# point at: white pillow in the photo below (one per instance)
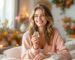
(9, 58)
(13, 52)
(55, 57)
(73, 54)
(70, 44)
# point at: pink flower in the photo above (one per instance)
(18, 18)
(73, 26)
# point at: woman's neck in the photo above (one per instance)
(41, 30)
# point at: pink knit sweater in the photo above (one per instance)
(57, 47)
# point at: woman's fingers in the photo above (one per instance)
(35, 42)
(38, 57)
(34, 39)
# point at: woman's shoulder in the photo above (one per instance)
(56, 31)
(57, 34)
(27, 33)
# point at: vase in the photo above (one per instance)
(23, 27)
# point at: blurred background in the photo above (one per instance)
(14, 19)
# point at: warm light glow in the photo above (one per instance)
(1, 46)
(27, 14)
(17, 44)
(24, 12)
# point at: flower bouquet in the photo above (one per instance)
(69, 26)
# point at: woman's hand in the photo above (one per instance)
(35, 40)
(39, 56)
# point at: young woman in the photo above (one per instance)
(42, 40)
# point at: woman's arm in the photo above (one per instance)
(27, 49)
(61, 50)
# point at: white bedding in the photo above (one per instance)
(3, 57)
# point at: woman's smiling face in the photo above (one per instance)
(40, 18)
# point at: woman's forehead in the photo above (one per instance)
(39, 11)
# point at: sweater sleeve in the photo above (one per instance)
(61, 50)
(26, 53)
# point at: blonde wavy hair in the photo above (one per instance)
(49, 33)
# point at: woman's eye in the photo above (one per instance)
(40, 16)
(43, 15)
(35, 16)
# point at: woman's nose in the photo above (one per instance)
(39, 17)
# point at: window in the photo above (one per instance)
(8, 10)
(1, 11)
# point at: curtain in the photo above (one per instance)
(8, 11)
